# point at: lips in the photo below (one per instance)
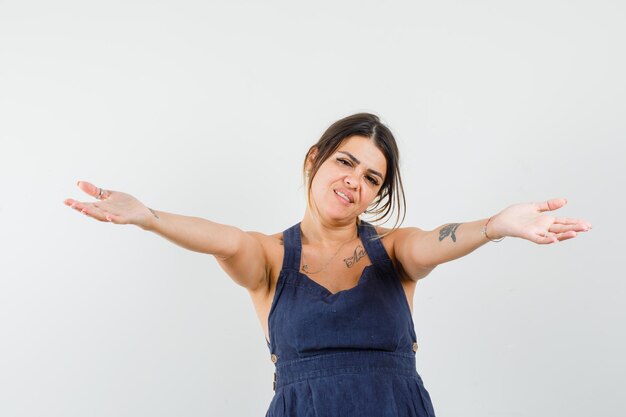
(345, 195)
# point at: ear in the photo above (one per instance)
(311, 158)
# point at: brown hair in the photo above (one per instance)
(390, 197)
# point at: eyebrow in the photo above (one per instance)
(356, 161)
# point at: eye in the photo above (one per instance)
(344, 162)
(372, 180)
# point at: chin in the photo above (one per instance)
(337, 213)
(339, 216)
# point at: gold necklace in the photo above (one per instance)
(305, 266)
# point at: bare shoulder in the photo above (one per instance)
(270, 242)
(265, 239)
(392, 239)
(396, 243)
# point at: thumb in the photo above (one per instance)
(92, 190)
(553, 204)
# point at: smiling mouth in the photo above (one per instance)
(343, 196)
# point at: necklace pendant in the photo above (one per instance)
(305, 268)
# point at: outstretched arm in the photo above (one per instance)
(531, 221)
(227, 243)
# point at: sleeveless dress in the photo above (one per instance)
(351, 353)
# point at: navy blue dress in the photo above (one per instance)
(346, 354)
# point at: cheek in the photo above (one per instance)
(372, 195)
(319, 186)
(323, 179)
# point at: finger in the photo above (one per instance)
(76, 205)
(556, 228)
(88, 187)
(544, 238)
(84, 208)
(570, 221)
(93, 191)
(568, 235)
(553, 204)
(563, 228)
(565, 220)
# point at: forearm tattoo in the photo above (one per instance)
(448, 230)
(359, 253)
(155, 215)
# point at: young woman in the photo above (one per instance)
(334, 293)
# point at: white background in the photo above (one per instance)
(206, 108)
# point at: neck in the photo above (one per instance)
(326, 233)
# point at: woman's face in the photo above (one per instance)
(349, 180)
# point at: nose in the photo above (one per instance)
(351, 181)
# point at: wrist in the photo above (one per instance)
(151, 221)
(490, 232)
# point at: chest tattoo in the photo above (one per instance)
(359, 253)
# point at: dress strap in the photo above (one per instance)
(293, 248)
(372, 242)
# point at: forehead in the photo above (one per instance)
(364, 149)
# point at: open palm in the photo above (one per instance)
(113, 206)
(531, 221)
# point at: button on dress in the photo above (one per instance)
(351, 353)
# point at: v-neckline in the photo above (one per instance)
(329, 293)
(290, 271)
